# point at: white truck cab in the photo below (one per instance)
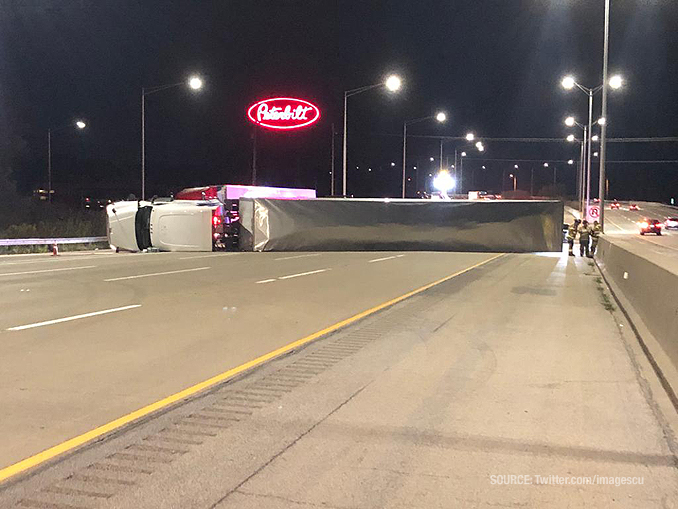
(182, 225)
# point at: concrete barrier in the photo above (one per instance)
(648, 294)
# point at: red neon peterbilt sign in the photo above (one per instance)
(283, 113)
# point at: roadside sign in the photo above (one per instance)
(593, 213)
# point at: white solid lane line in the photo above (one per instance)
(298, 256)
(304, 274)
(156, 274)
(70, 318)
(387, 258)
(266, 281)
(207, 256)
(45, 270)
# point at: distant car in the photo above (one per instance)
(615, 205)
(650, 226)
(633, 206)
(671, 223)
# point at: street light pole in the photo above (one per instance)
(194, 82)
(393, 84)
(80, 124)
(404, 154)
(440, 117)
(343, 176)
(582, 172)
(588, 166)
(441, 154)
(332, 172)
(49, 165)
(603, 127)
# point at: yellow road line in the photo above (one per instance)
(79, 440)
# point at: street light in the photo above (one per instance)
(602, 121)
(515, 166)
(470, 137)
(570, 121)
(570, 162)
(443, 181)
(568, 82)
(546, 165)
(594, 137)
(80, 125)
(392, 83)
(440, 117)
(615, 82)
(194, 83)
(570, 138)
(515, 181)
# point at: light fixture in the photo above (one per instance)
(195, 82)
(470, 137)
(441, 117)
(569, 121)
(393, 83)
(546, 165)
(80, 124)
(594, 137)
(443, 182)
(570, 162)
(570, 137)
(602, 121)
(616, 81)
(568, 82)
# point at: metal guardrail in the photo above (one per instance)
(51, 241)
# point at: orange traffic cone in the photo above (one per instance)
(55, 250)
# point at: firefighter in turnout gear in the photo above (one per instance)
(596, 230)
(571, 235)
(584, 236)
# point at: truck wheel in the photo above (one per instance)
(642, 233)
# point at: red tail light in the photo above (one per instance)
(216, 218)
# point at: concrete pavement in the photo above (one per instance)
(196, 315)
(512, 369)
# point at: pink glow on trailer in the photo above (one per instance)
(235, 192)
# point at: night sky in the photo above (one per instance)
(494, 66)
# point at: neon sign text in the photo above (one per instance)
(283, 113)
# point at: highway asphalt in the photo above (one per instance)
(457, 397)
(622, 227)
(87, 338)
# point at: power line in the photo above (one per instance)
(659, 139)
(629, 161)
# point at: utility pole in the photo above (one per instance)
(603, 128)
(254, 157)
(332, 171)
